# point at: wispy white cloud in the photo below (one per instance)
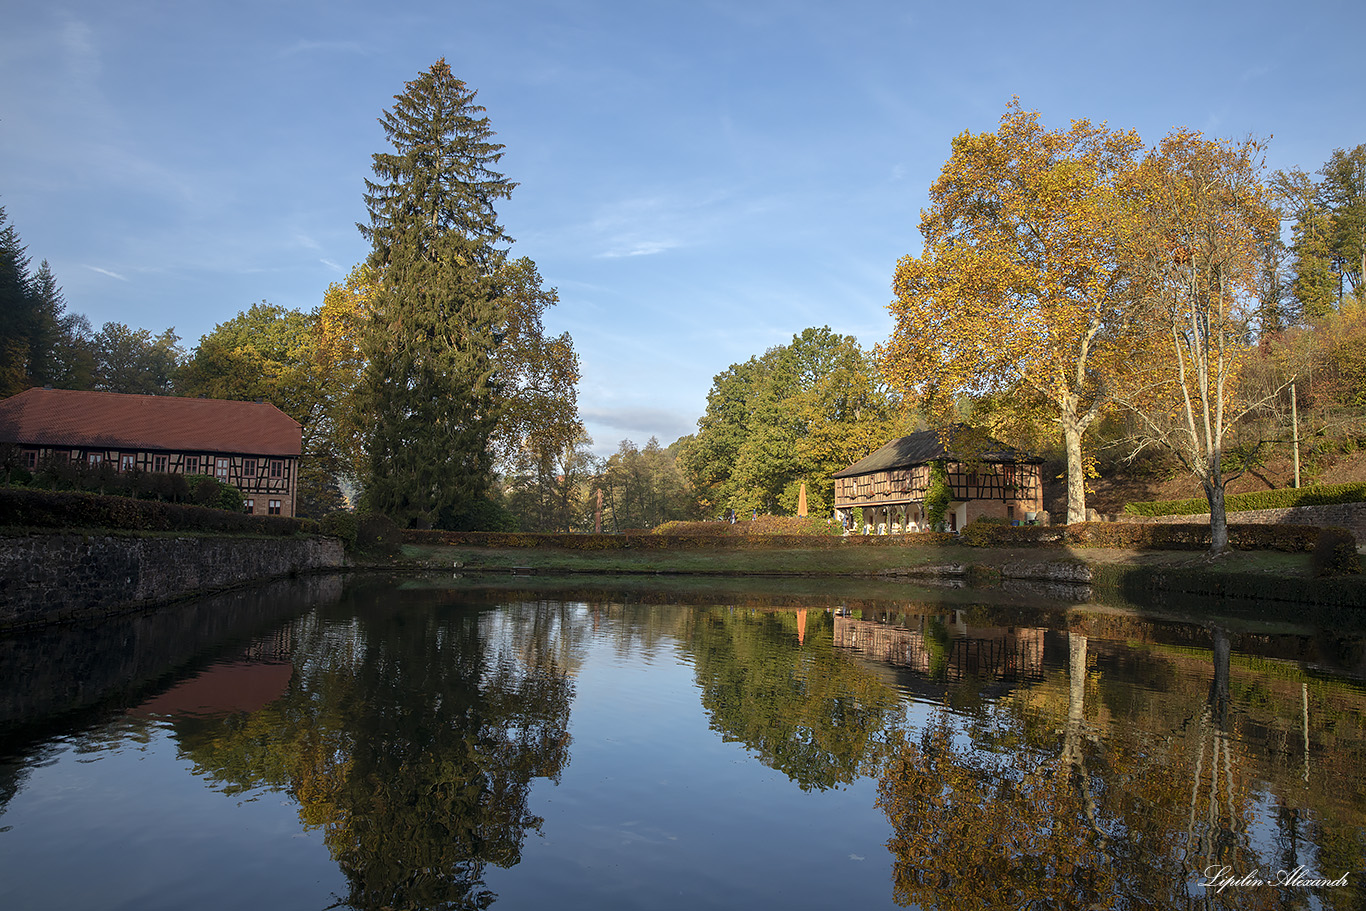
(122, 278)
(331, 265)
(639, 248)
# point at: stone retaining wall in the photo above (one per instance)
(59, 576)
(1351, 516)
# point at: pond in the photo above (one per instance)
(372, 743)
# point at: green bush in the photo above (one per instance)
(21, 508)
(1193, 536)
(341, 524)
(994, 531)
(1284, 498)
(377, 534)
(666, 541)
(213, 493)
(1335, 553)
(937, 496)
(763, 525)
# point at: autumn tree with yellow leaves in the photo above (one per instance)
(1023, 288)
(1198, 264)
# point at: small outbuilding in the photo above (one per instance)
(253, 446)
(985, 478)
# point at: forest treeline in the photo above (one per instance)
(1077, 293)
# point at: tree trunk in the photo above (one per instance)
(1076, 473)
(1218, 517)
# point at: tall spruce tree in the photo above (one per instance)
(16, 310)
(428, 395)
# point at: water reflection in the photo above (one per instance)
(772, 680)
(1023, 753)
(410, 738)
(1126, 778)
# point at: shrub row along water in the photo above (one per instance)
(1284, 498)
(1334, 549)
(21, 508)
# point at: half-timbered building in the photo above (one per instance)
(253, 446)
(986, 478)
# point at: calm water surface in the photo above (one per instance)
(441, 743)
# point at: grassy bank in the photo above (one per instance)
(1254, 575)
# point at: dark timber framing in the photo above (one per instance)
(253, 446)
(890, 485)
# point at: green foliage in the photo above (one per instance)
(763, 525)
(938, 495)
(134, 360)
(377, 534)
(550, 489)
(1322, 495)
(17, 318)
(1315, 284)
(428, 397)
(1328, 231)
(213, 493)
(1335, 553)
(643, 488)
(273, 354)
(40, 343)
(342, 524)
(700, 535)
(199, 490)
(79, 509)
(981, 531)
(483, 514)
(1174, 536)
(798, 413)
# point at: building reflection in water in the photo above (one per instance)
(944, 647)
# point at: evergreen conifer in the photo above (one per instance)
(428, 396)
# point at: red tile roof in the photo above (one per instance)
(108, 420)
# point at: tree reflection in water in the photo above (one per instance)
(1047, 798)
(410, 738)
(772, 680)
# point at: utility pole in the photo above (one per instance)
(1295, 430)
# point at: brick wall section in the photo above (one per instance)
(1351, 516)
(50, 577)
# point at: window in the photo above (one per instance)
(159, 463)
(277, 468)
(94, 458)
(30, 459)
(192, 464)
(274, 507)
(220, 470)
(249, 506)
(248, 468)
(128, 462)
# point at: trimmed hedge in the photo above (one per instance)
(69, 509)
(1286, 497)
(657, 541)
(763, 525)
(1144, 536)
(1339, 553)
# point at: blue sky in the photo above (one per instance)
(700, 180)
